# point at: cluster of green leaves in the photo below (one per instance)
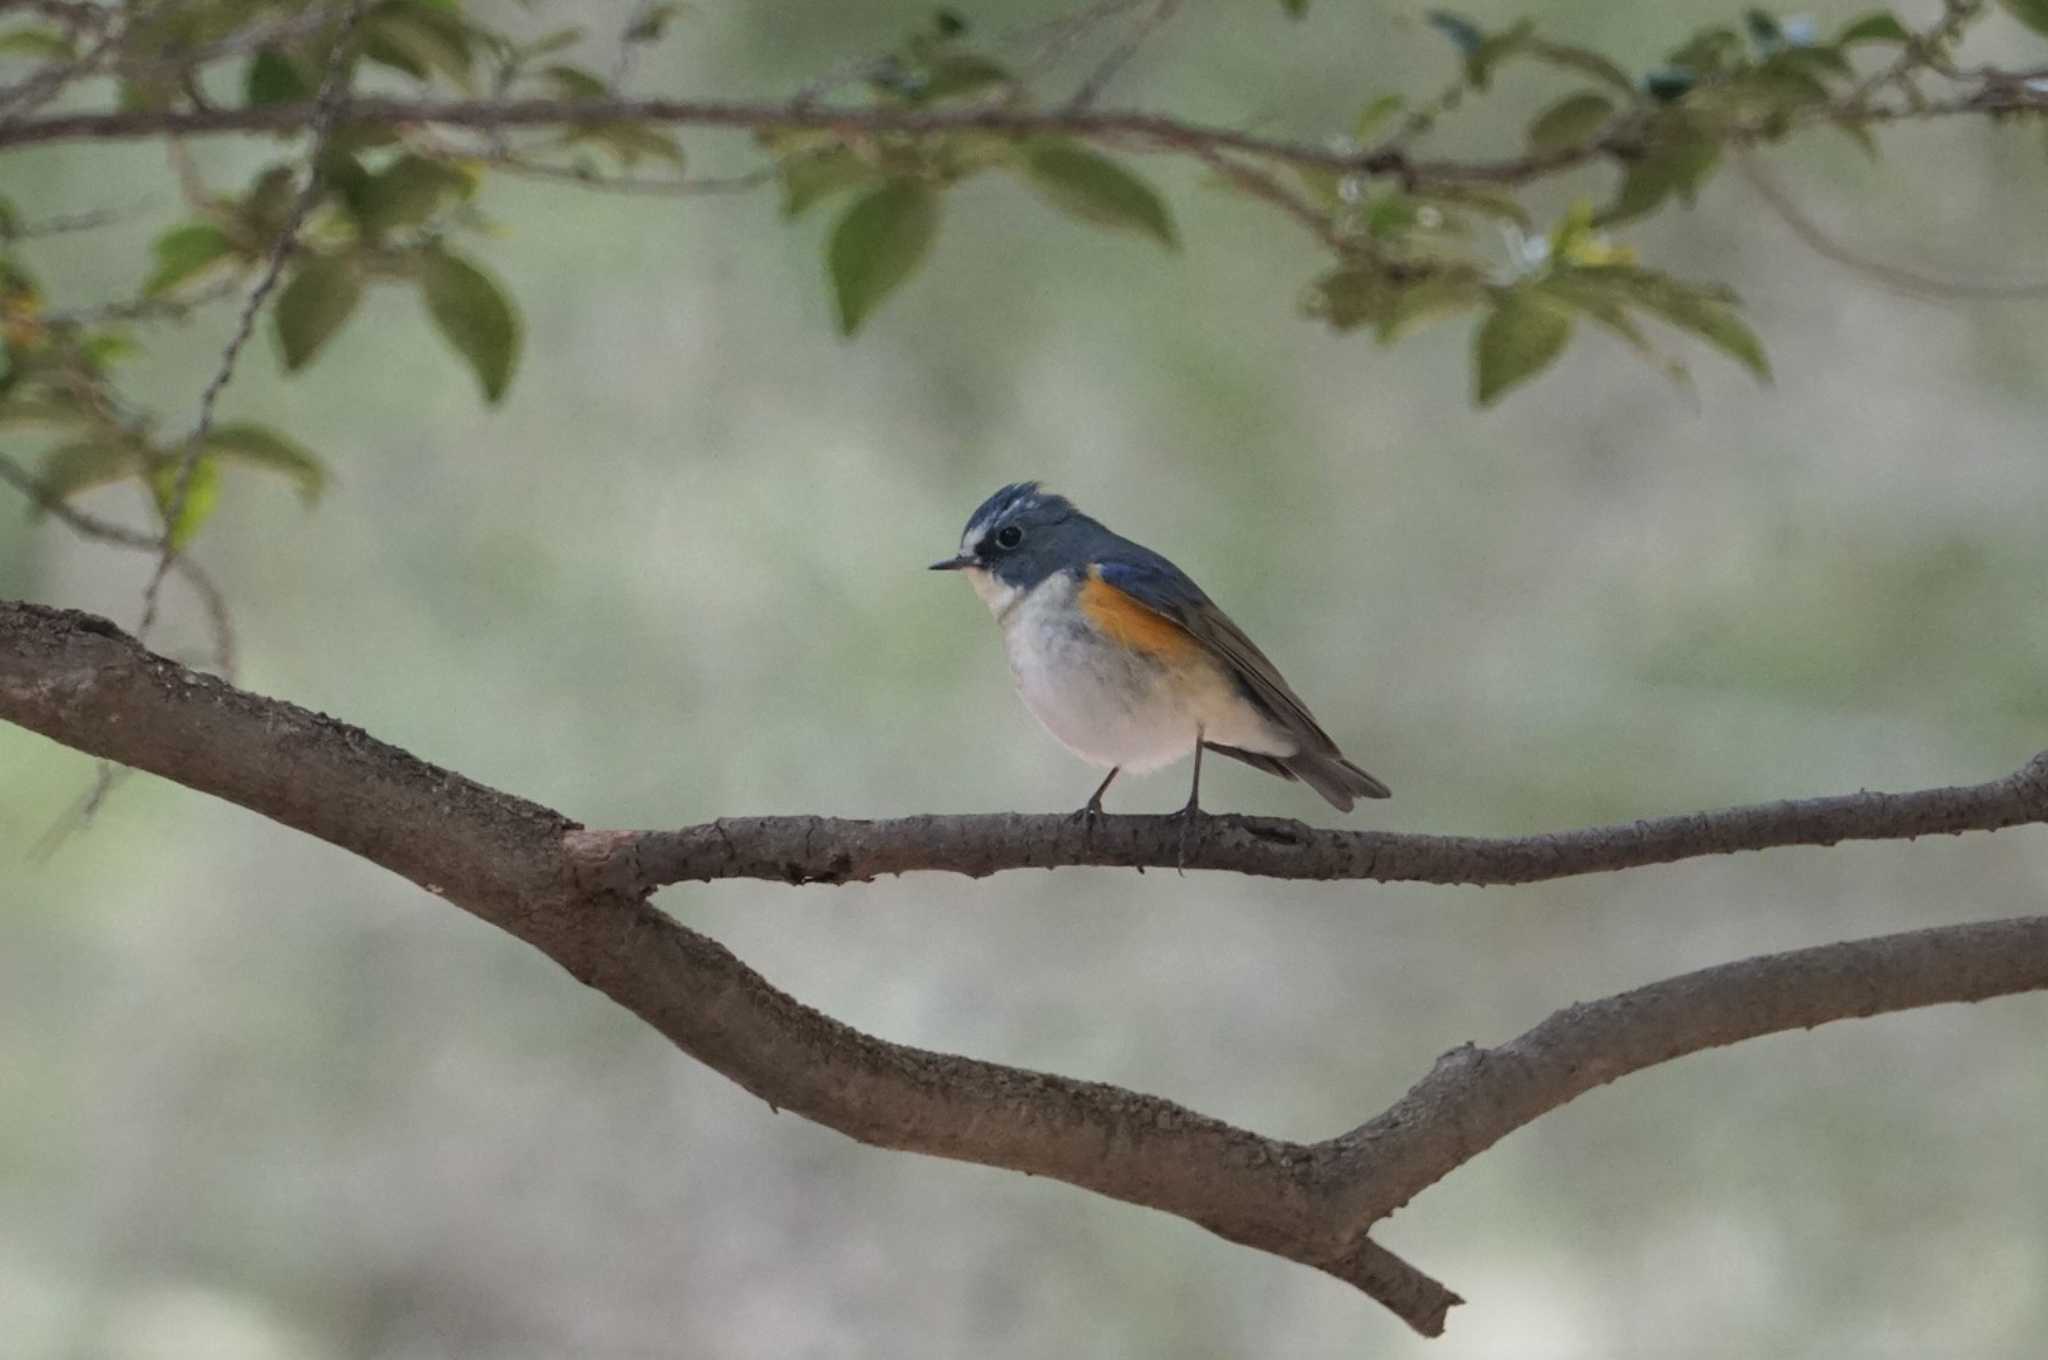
(1410, 249)
(384, 211)
(898, 179)
(394, 208)
(55, 379)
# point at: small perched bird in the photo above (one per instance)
(1127, 662)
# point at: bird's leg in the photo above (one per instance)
(1190, 816)
(1093, 807)
(1194, 803)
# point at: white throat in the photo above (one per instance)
(999, 598)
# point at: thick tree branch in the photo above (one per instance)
(579, 897)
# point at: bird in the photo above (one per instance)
(1127, 662)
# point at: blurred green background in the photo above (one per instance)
(258, 1099)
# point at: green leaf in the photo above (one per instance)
(183, 252)
(1605, 310)
(1465, 35)
(628, 142)
(1497, 48)
(573, 82)
(406, 193)
(961, 73)
(809, 177)
(647, 26)
(274, 79)
(1350, 296)
(1703, 310)
(1391, 215)
(1096, 189)
(320, 297)
(2032, 13)
(1571, 121)
(1813, 62)
(262, 447)
(83, 464)
(1878, 26)
(1428, 299)
(1677, 161)
(1374, 116)
(202, 494)
(1523, 336)
(877, 244)
(476, 316)
(1471, 198)
(108, 347)
(1584, 61)
(419, 40)
(562, 39)
(42, 44)
(1295, 8)
(1708, 52)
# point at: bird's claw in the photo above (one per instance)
(1191, 819)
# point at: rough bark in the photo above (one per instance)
(580, 897)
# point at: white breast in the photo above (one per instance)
(1107, 705)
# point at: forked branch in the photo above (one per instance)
(578, 897)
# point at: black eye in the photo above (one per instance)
(1009, 536)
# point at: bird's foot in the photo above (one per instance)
(1191, 819)
(1087, 813)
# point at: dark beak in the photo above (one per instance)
(955, 563)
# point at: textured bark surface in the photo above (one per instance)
(580, 896)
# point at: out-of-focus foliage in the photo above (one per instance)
(258, 1099)
(394, 207)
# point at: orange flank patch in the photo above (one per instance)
(1123, 620)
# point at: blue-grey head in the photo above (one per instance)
(1019, 537)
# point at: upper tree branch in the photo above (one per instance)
(536, 875)
(1995, 96)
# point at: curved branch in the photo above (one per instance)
(1474, 1097)
(543, 879)
(78, 679)
(847, 850)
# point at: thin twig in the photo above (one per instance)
(90, 526)
(1139, 130)
(146, 308)
(1106, 70)
(1922, 50)
(1898, 278)
(63, 224)
(327, 112)
(1044, 44)
(1262, 185)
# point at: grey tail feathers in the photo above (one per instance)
(1339, 781)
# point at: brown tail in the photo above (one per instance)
(1339, 781)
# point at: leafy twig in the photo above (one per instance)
(327, 112)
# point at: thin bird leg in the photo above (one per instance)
(1093, 808)
(1190, 817)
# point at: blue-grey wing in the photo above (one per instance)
(1165, 589)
